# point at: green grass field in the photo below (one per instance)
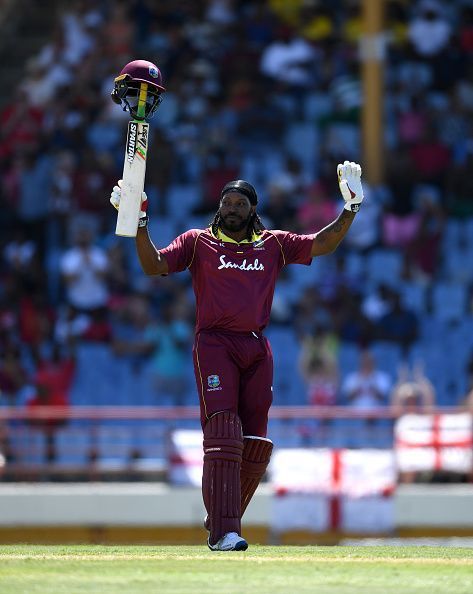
(28, 569)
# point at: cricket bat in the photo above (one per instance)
(134, 170)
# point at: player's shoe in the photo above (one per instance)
(230, 542)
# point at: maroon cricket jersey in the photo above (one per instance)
(234, 282)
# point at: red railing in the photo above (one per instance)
(95, 442)
(192, 412)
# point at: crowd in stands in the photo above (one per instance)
(268, 91)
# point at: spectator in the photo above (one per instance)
(377, 302)
(221, 12)
(429, 31)
(413, 392)
(261, 122)
(78, 22)
(337, 281)
(279, 211)
(368, 387)
(352, 27)
(349, 321)
(339, 127)
(21, 126)
(62, 198)
(311, 313)
(34, 172)
(118, 273)
(430, 158)
(466, 29)
(69, 327)
(218, 167)
(399, 230)
(84, 270)
(468, 402)
(20, 252)
(91, 181)
(35, 321)
(399, 325)
(39, 86)
(171, 340)
(413, 121)
(317, 22)
(13, 375)
(118, 32)
(317, 210)
(131, 332)
(422, 253)
(288, 59)
(318, 365)
(52, 381)
(460, 184)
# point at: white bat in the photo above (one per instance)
(134, 169)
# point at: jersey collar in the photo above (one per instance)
(221, 235)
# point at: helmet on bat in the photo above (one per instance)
(126, 90)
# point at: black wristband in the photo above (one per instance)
(143, 221)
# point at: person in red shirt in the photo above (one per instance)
(52, 380)
(21, 126)
(234, 265)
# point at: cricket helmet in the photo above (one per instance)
(243, 187)
(126, 90)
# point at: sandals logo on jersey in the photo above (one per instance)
(213, 381)
(255, 265)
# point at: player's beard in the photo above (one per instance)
(235, 225)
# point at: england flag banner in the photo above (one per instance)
(440, 442)
(321, 490)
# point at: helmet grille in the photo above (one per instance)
(127, 92)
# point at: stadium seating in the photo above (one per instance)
(414, 296)
(384, 266)
(449, 301)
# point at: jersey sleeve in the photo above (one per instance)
(180, 252)
(295, 248)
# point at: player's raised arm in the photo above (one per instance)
(349, 180)
(150, 258)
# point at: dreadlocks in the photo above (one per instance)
(254, 225)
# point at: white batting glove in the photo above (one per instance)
(116, 195)
(349, 180)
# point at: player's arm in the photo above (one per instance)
(327, 239)
(151, 260)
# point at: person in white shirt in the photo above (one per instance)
(367, 387)
(429, 32)
(84, 270)
(289, 59)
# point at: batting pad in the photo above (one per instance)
(256, 455)
(221, 487)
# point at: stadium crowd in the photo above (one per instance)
(268, 91)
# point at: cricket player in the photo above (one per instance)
(234, 264)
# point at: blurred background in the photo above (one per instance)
(276, 92)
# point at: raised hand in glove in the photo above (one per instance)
(115, 198)
(349, 180)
